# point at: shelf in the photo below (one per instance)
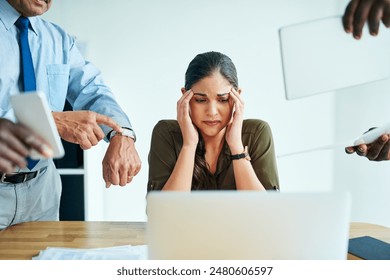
(71, 171)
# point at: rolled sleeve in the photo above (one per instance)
(164, 148)
(87, 91)
(262, 152)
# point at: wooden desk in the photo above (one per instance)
(22, 242)
(363, 229)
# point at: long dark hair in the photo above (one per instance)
(202, 66)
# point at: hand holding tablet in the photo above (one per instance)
(32, 110)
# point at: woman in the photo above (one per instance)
(211, 146)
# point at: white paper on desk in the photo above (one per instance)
(126, 252)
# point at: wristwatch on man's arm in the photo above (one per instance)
(128, 132)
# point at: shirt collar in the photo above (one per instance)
(33, 24)
(8, 16)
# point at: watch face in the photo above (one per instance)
(128, 133)
(125, 132)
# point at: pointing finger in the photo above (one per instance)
(102, 119)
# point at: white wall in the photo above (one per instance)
(356, 110)
(143, 49)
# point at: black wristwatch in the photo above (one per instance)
(244, 154)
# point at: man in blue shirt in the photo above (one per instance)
(356, 14)
(62, 74)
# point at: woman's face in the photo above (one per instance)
(211, 106)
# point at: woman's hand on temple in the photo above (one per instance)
(188, 130)
(234, 128)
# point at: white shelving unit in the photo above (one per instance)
(71, 171)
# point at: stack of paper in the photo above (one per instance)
(127, 252)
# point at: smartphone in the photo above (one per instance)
(32, 110)
(370, 136)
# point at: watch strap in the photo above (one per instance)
(127, 132)
(244, 154)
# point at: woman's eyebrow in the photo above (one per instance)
(204, 94)
(199, 93)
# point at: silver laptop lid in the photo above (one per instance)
(247, 225)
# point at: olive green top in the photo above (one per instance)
(167, 142)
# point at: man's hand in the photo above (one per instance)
(16, 141)
(377, 151)
(121, 162)
(82, 127)
(359, 11)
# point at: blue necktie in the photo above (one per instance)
(27, 73)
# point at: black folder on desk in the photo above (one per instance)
(369, 248)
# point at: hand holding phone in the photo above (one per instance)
(372, 135)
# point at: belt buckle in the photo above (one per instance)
(3, 178)
(25, 177)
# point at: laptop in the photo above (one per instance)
(244, 225)
(318, 56)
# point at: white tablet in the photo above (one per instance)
(32, 110)
(318, 56)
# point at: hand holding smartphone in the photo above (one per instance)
(372, 135)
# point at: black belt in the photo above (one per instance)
(17, 178)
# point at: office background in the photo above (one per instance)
(143, 49)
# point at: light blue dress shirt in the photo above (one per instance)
(61, 71)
